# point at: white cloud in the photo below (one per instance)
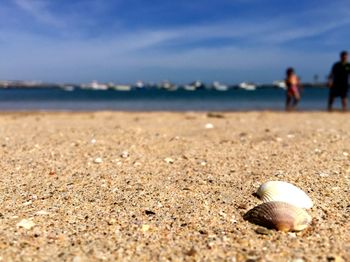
(38, 9)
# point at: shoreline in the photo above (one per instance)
(54, 111)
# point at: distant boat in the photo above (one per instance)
(194, 86)
(247, 86)
(68, 88)
(140, 84)
(189, 87)
(167, 86)
(122, 87)
(219, 87)
(94, 85)
(279, 84)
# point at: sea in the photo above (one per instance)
(56, 99)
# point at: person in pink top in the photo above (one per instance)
(293, 95)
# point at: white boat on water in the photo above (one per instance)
(247, 86)
(219, 87)
(167, 86)
(189, 87)
(94, 85)
(121, 87)
(140, 84)
(194, 86)
(280, 84)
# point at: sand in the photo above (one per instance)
(105, 186)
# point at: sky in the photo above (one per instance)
(177, 40)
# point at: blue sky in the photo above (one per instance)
(153, 40)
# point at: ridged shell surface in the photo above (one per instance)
(284, 192)
(280, 216)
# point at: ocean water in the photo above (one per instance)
(156, 100)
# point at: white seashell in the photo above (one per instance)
(284, 192)
(279, 215)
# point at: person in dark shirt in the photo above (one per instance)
(339, 81)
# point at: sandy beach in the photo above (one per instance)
(106, 186)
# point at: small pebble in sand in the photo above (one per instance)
(222, 214)
(192, 252)
(292, 235)
(77, 259)
(111, 221)
(149, 212)
(28, 203)
(233, 220)
(335, 258)
(93, 141)
(169, 160)
(345, 154)
(26, 224)
(297, 260)
(323, 175)
(263, 231)
(98, 160)
(279, 173)
(124, 154)
(42, 213)
(209, 126)
(137, 164)
(145, 228)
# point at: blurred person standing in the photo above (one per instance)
(293, 94)
(338, 82)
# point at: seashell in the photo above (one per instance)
(279, 215)
(284, 192)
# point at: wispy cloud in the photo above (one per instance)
(38, 9)
(273, 30)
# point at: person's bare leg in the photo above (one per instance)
(295, 102)
(296, 99)
(330, 103)
(288, 101)
(344, 103)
